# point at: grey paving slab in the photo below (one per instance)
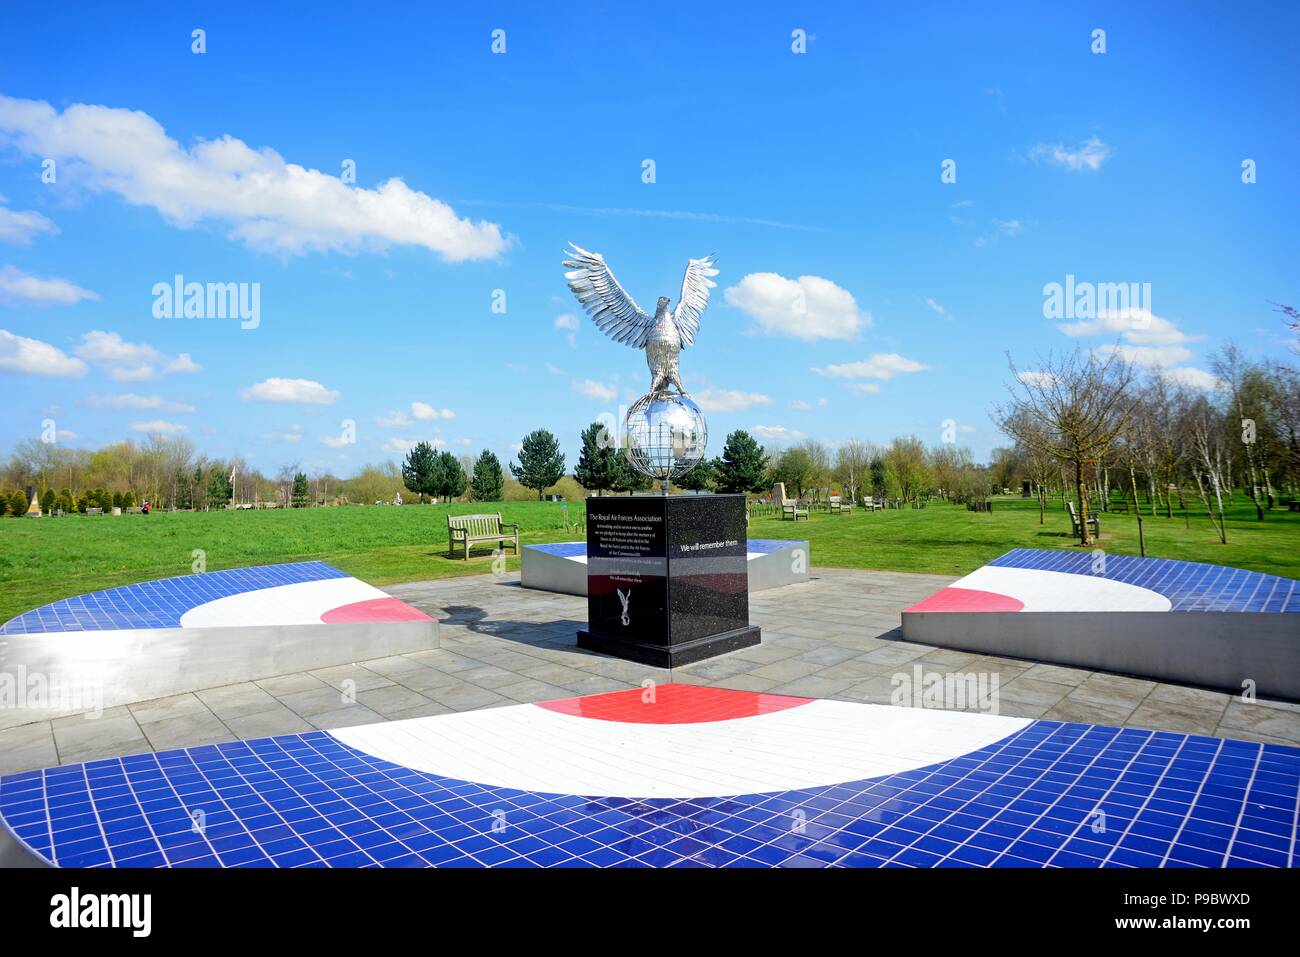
(391, 700)
(237, 701)
(1166, 716)
(289, 684)
(186, 731)
(27, 748)
(352, 677)
(836, 636)
(812, 686)
(425, 710)
(344, 718)
(267, 723)
(467, 697)
(96, 738)
(320, 700)
(161, 709)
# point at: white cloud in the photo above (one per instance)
(394, 420)
(729, 400)
(403, 446)
(803, 406)
(130, 361)
(305, 391)
(427, 413)
(935, 306)
(555, 370)
(19, 288)
(20, 227)
(1040, 380)
(1148, 355)
(130, 400)
(159, 426)
(34, 357)
(879, 365)
(1087, 156)
(807, 308)
(566, 321)
(865, 388)
(779, 432)
(1008, 227)
(595, 390)
(336, 441)
(183, 363)
(465, 443)
(1194, 378)
(270, 204)
(292, 434)
(1136, 326)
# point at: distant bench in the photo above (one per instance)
(1093, 521)
(468, 529)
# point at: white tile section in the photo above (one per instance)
(299, 604)
(819, 743)
(1059, 591)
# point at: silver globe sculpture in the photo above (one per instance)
(665, 433)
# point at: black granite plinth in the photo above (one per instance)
(667, 578)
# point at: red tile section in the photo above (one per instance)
(673, 704)
(967, 599)
(375, 609)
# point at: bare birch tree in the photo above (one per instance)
(1073, 408)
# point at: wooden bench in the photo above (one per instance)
(837, 504)
(94, 511)
(1093, 521)
(467, 529)
(871, 505)
(790, 507)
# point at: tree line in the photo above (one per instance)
(1096, 423)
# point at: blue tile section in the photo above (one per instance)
(1189, 586)
(160, 604)
(563, 549)
(766, 546)
(1050, 795)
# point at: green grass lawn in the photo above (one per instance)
(949, 540)
(47, 559)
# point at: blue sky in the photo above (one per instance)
(1122, 166)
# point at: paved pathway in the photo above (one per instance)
(834, 637)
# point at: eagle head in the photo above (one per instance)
(663, 304)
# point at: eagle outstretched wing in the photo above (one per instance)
(615, 312)
(695, 296)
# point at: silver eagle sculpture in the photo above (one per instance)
(665, 334)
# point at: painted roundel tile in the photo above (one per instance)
(297, 593)
(1027, 579)
(690, 777)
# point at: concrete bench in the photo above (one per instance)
(94, 511)
(468, 529)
